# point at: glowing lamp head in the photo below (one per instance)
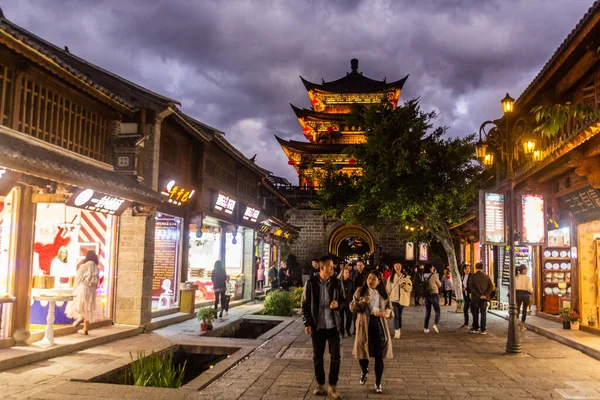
(481, 150)
(538, 155)
(529, 146)
(508, 104)
(488, 160)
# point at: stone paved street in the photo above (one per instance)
(453, 364)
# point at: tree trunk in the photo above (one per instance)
(446, 240)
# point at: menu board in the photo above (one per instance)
(533, 219)
(584, 203)
(166, 253)
(493, 218)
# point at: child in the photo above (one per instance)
(229, 291)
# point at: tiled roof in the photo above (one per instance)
(354, 82)
(595, 8)
(33, 157)
(312, 148)
(119, 89)
(321, 116)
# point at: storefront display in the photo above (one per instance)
(204, 250)
(234, 259)
(7, 221)
(63, 235)
(588, 262)
(165, 278)
(556, 270)
(522, 257)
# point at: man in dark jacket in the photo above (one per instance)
(274, 276)
(419, 277)
(361, 275)
(480, 286)
(314, 271)
(284, 276)
(321, 300)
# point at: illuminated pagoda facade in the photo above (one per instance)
(325, 124)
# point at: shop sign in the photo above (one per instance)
(410, 251)
(225, 204)
(533, 219)
(91, 200)
(166, 256)
(264, 229)
(178, 195)
(491, 219)
(423, 252)
(584, 203)
(251, 214)
(8, 179)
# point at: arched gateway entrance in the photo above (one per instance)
(351, 241)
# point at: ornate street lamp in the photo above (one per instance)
(508, 104)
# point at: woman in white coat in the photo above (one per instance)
(84, 292)
(399, 287)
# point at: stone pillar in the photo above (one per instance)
(23, 263)
(249, 272)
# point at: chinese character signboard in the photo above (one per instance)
(178, 195)
(251, 214)
(533, 219)
(491, 220)
(225, 204)
(410, 251)
(91, 200)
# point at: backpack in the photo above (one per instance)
(425, 289)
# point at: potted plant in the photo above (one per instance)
(574, 319)
(565, 316)
(207, 316)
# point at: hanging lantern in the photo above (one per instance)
(538, 155)
(330, 129)
(488, 160)
(528, 146)
(314, 102)
(352, 161)
(292, 162)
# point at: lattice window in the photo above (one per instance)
(55, 119)
(231, 181)
(168, 150)
(589, 96)
(6, 82)
(211, 168)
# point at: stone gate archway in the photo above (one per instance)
(342, 234)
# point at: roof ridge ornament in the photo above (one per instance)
(354, 65)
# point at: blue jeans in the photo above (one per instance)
(432, 300)
(397, 314)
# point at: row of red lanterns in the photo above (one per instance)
(351, 161)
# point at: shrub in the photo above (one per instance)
(206, 314)
(279, 303)
(574, 316)
(296, 296)
(564, 313)
(156, 370)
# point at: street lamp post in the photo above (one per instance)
(509, 151)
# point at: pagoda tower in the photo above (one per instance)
(325, 124)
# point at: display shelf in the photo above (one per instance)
(557, 258)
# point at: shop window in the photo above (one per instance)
(7, 222)
(63, 236)
(204, 250)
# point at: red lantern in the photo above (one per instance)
(330, 129)
(291, 162)
(352, 161)
(306, 129)
(314, 102)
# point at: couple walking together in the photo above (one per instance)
(322, 299)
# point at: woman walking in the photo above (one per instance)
(524, 289)
(219, 279)
(372, 305)
(345, 313)
(399, 287)
(84, 292)
(260, 275)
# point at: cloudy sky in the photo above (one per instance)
(235, 64)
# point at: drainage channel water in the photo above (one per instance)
(244, 328)
(197, 359)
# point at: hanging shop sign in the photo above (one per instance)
(533, 219)
(410, 251)
(491, 218)
(8, 180)
(92, 200)
(251, 214)
(225, 204)
(264, 229)
(178, 195)
(584, 203)
(423, 252)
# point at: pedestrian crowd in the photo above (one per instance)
(353, 301)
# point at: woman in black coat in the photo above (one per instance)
(345, 313)
(219, 280)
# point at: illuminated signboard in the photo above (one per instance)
(251, 214)
(264, 229)
(492, 225)
(8, 179)
(225, 204)
(533, 219)
(91, 200)
(423, 252)
(410, 251)
(177, 195)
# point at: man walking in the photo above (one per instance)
(321, 300)
(480, 286)
(418, 283)
(431, 292)
(314, 271)
(359, 278)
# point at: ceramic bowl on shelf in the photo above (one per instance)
(568, 290)
(555, 266)
(548, 265)
(563, 291)
(563, 253)
(564, 266)
(568, 254)
(547, 253)
(555, 290)
(548, 290)
(555, 253)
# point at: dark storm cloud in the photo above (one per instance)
(235, 64)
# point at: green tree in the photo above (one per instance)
(551, 118)
(411, 175)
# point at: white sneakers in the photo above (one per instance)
(397, 334)
(426, 330)
(435, 328)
